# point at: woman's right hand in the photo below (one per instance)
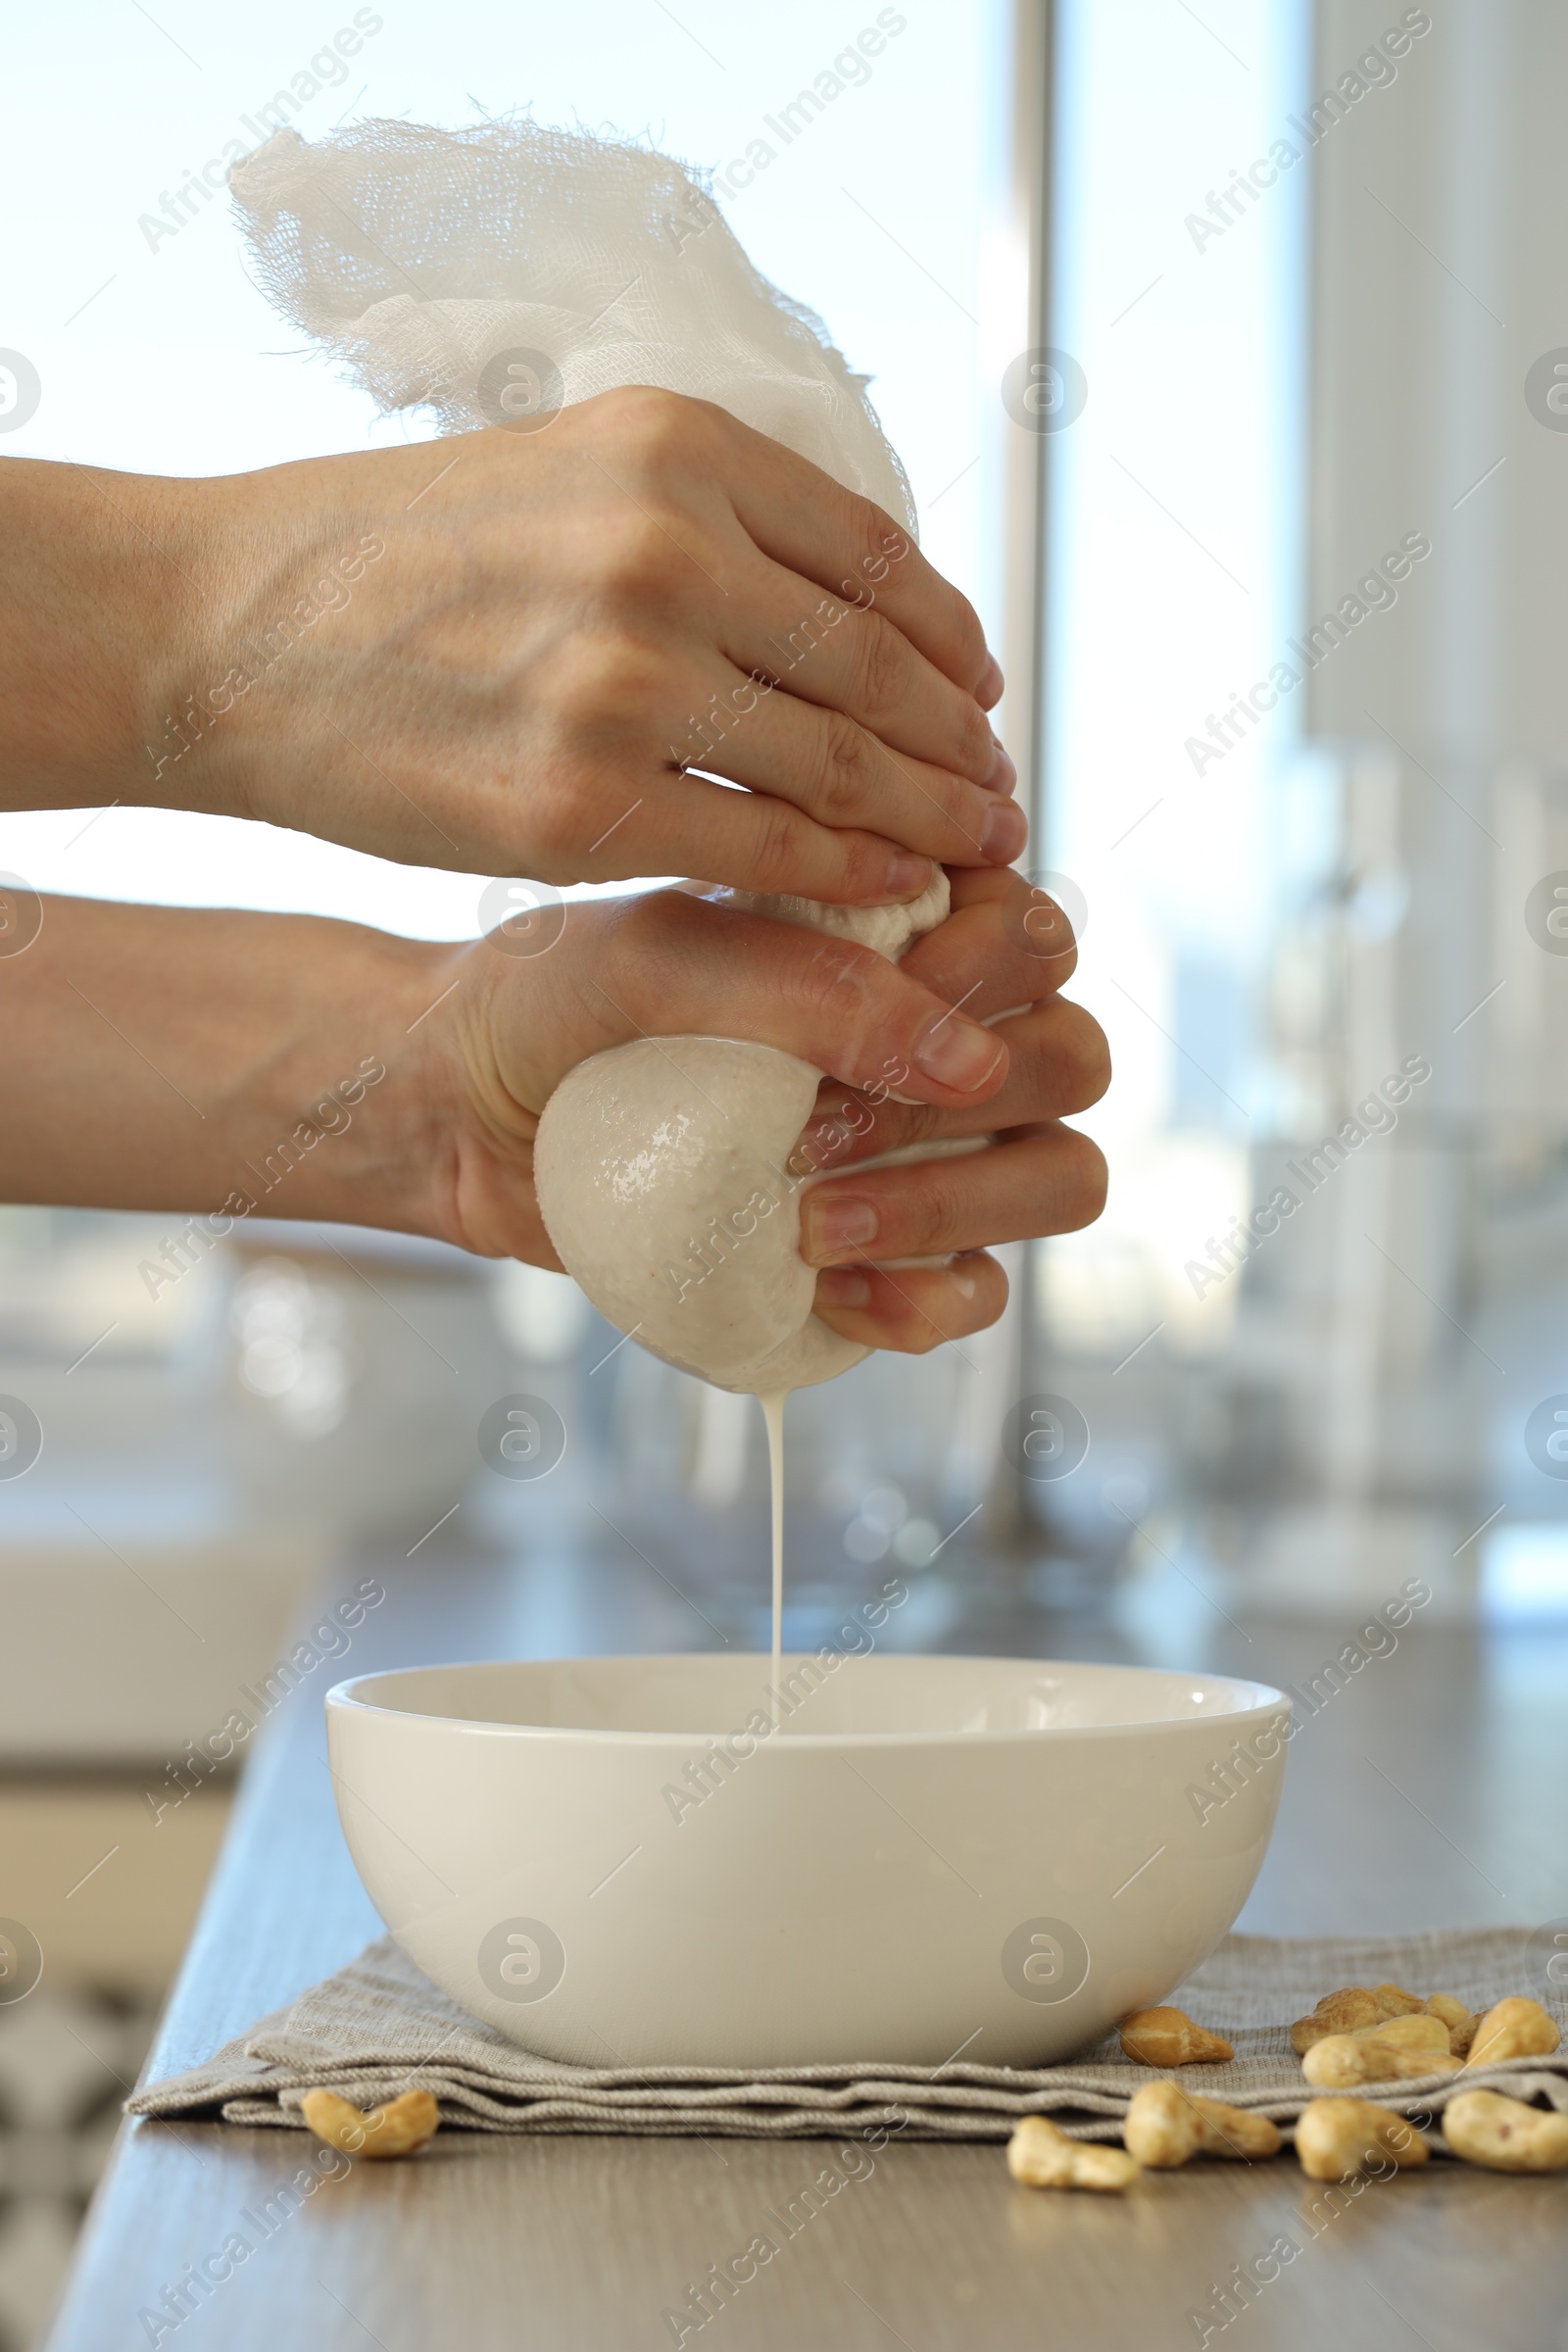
(673, 963)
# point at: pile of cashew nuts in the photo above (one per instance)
(1356, 2036)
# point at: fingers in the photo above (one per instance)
(846, 655)
(1058, 1063)
(992, 938)
(839, 772)
(1050, 1179)
(851, 547)
(752, 841)
(674, 965)
(915, 1308)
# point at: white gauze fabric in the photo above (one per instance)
(420, 257)
(490, 275)
(661, 1170)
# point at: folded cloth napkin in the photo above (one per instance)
(379, 2026)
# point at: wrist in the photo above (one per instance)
(378, 1104)
(100, 598)
(288, 1066)
(280, 556)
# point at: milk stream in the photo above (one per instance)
(773, 1415)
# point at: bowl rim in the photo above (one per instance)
(345, 1700)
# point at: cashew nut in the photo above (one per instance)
(1334, 2138)
(1514, 2028)
(1041, 2157)
(1340, 2061)
(396, 2128)
(1348, 2010)
(1169, 2037)
(1413, 2032)
(1165, 2125)
(1505, 2134)
(1393, 2001)
(1456, 2017)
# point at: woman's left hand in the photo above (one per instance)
(1004, 950)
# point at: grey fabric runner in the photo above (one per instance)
(378, 2027)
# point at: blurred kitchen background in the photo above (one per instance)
(1185, 319)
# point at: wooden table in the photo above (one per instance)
(1431, 1792)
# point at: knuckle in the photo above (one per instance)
(942, 1211)
(645, 418)
(878, 539)
(603, 681)
(863, 865)
(976, 744)
(636, 682)
(643, 932)
(570, 680)
(979, 739)
(880, 666)
(647, 936)
(904, 1124)
(779, 843)
(639, 560)
(842, 777)
(838, 984)
(653, 923)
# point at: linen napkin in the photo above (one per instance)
(379, 2026)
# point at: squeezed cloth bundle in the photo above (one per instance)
(497, 275)
(378, 2028)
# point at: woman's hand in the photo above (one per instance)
(220, 1065)
(673, 963)
(1039, 1176)
(506, 652)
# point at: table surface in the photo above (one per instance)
(1429, 1794)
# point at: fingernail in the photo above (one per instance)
(1004, 832)
(908, 875)
(833, 1223)
(842, 1286)
(989, 690)
(1001, 776)
(959, 1054)
(964, 1283)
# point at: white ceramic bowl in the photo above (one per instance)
(616, 1859)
